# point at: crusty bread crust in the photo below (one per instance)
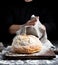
(29, 48)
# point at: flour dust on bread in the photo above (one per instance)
(26, 44)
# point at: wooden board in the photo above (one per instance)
(48, 55)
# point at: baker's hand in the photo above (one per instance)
(13, 28)
(31, 22)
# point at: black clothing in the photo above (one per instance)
(21, 13)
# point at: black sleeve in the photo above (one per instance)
(9, 18)
(46, 17)
(5, 23)
(9, 21)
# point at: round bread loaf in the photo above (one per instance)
(26, 44)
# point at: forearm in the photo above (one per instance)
(13, 28)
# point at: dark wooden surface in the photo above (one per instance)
(48, 55)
